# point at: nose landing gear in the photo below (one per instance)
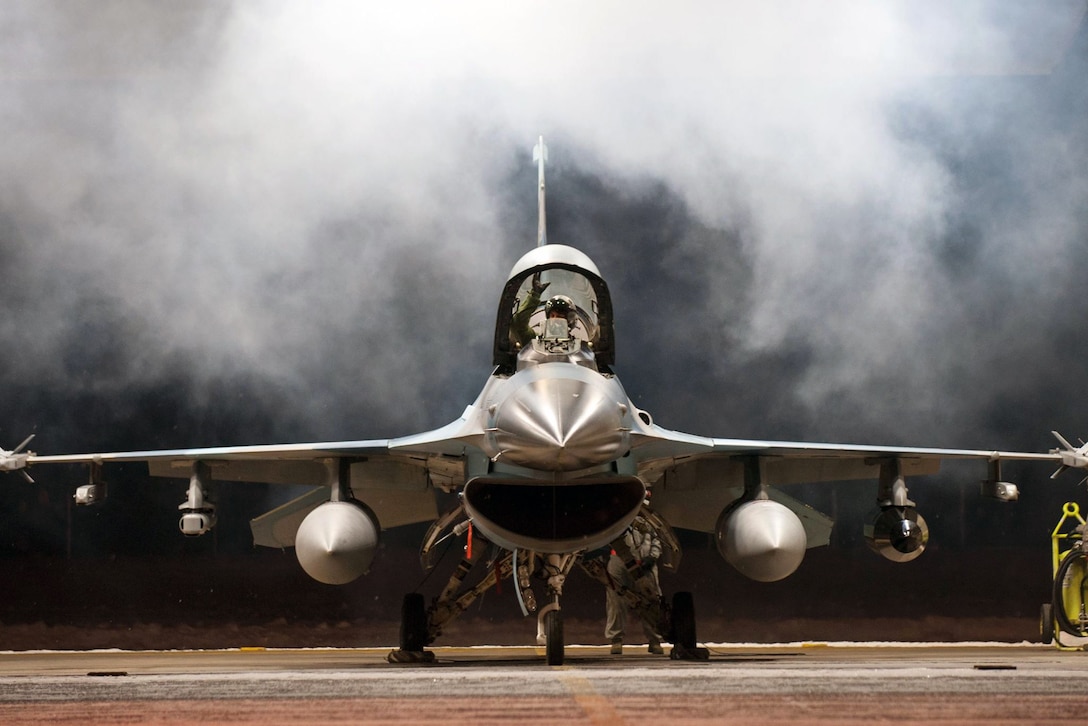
(550, 618)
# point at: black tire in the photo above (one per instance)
(413, 623)
(553, 631)
(1046, 623)
(683, 621)
(1077, 561)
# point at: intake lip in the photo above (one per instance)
(553, 517)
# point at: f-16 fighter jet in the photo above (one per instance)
(551, 465)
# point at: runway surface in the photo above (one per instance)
(795, 683)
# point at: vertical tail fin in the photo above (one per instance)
(540, 155)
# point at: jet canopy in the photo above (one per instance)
(564, 282)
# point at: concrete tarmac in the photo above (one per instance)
(742, 684)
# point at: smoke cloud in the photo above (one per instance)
(267, 221)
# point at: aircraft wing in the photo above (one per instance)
(247, 463)
(396, 478)
(793, 462)
(694, 478)
(796, 449)
(659, 449)
(276, 452)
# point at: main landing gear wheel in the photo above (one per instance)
(553, 632)
(682, 629)
(413, 632)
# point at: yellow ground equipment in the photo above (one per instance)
(1067, 611)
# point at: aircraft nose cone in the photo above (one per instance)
(559, 424)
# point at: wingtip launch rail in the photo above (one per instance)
(1072, 457)
(17, 459)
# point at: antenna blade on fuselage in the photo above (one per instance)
(540, 155)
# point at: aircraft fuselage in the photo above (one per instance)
(556, 434)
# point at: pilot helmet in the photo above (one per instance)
(560, 304)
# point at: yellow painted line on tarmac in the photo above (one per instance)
(597, 708)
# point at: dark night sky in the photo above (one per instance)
(262, 223)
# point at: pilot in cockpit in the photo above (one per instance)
(558, 307)
(556, 331)
(561, 307)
